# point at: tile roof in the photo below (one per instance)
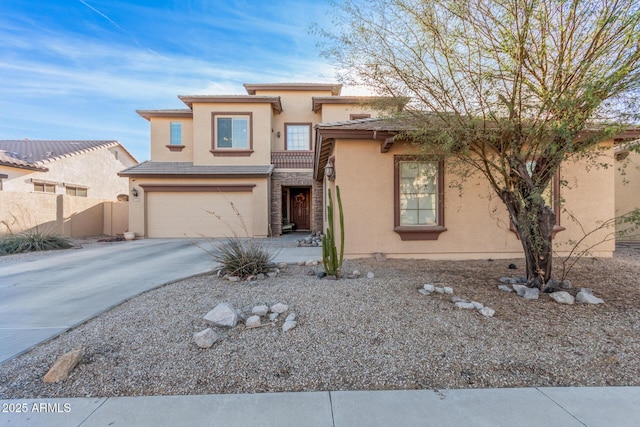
(369, 124)
(35, 154)
(175, 169)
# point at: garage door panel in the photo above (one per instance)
(199, 214)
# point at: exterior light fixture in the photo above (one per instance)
(134, 192)
(330, 169)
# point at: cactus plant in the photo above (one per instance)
(331, 258)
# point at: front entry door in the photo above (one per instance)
(300, 208)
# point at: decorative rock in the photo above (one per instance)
(222, 315)
(300, 263)
(505, 288)
(272, 274)
(458, 299)
(233, 278)
(562, 297)
(448, 290)
(487, 312)
(521, 279)
(429, 287)
(370, 275)
(253, 321)
(513, 266)
(290, 318)
(356, 273)
(288, 325)
(260, 310)
(424, 291)
(565, 284)
(551, 286)
(273, 316)
(279, 308)
(321, 274)
(311, 273)
(531, 293)
(505, 280)
(520, 289)
(465, 305)
(206, 338)
(379, 256)
(477, 305)
(311, 263)
(250, 278)
(586, 296)
(63, 366)
(260, 276)
(282, 265)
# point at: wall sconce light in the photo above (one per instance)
(278, 134)
(330, 169)
(134, 192)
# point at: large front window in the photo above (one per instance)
(232, 133)
(298, 136)
(419, 198)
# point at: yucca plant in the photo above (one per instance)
(243, 258)
(31, 241)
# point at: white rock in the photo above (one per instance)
(585, 296)
(272, 274)
(222, 315)
(440, 290)
(477, 305)
(206, 338)
(429, 287)
(465, 305)
(458, 299)
(487, 312)
(505, 288)
(562, 297)
(253, 321)
(260, 310)
(311, 263)
(273, 316)
(370, 275)
(300, 262)
(520, 289)
(290, 318)
(448, 290)
(282, 265)
(279, 308)
(531, 293)
(233, 278)
(289, 324)
(356, 273)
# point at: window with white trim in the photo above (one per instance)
(44, 187)
(298, 136)
(176, 133)
(231, 132)
(76, 191)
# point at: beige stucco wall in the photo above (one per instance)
(477, 222)
(341, 112)
(260, 194)
(95, 169)
(261, 128)
(59, 214)
(627, 187)
(161, 137)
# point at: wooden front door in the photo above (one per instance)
(300, 208)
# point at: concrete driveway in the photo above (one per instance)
(46, 294)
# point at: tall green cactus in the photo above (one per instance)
(332, 262)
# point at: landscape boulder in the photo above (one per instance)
(206, 338)
(223, 315)
(562, 297)
(586, 296)
(63, 366)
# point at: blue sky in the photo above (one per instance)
(78, 69)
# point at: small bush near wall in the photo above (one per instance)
(32, 241)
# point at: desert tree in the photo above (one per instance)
(509, 88)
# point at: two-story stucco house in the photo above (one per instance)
(239, 164)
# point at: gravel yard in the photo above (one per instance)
(359, 334)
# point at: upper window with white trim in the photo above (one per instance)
(232, 131)
(176, 133)
(298, 136)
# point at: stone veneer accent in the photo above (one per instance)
(281, 179)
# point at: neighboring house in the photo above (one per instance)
(238, 164)
(409, 207)
(75, 168)
(63, 187)
(627, 186)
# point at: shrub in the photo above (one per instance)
(31, 241)
(243, 258)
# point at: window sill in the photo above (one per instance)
(175, 147)
(231, 153)
(419, 233)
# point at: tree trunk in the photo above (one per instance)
(534, 224)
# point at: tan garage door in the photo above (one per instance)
(185, 214)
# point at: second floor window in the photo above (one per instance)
(298, 136)
(176, 134)
(231, 132)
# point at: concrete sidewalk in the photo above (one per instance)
(544, 407)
